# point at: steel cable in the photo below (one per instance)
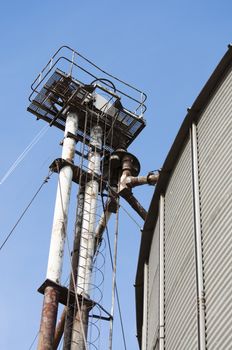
(24, 153)
(33, 341)
(25, 210)
(116, 288)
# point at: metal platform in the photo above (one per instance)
(54, 93)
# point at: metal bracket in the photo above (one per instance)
(80, 176)
(63, 294)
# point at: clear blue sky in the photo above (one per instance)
(167, 48)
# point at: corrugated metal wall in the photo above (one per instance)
(182, 230)
(215, 176)
(180, 268)
(153, 295)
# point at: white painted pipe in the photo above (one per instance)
(161, 274)
(89, 215)
(199, 258)
(58, 236)
(87, 242)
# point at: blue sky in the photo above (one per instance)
(166, 48)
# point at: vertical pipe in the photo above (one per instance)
(71, 309)
(87, 239)
(50, 306)
(145, 306)
(114, 280)
(48, 319)
(161, 275)
(62, 203)
(59, 330)
(63, 323)
(198, 242)
(102, 224)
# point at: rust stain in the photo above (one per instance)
(48, 320)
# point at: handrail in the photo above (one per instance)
(53, 63)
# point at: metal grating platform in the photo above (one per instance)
(98, 101)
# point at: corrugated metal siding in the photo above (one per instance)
(156, 346)
(215, 172)
(180, 266)
(153, 295)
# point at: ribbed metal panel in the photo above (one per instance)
(156, 346)
(154, 256)
(215, 171)
(180, 266)
(153, 298)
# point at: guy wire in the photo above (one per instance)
(25, 210)
(116, 289)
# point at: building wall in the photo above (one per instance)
(197, 244)
(214, 138)
(153, 294)
(180, 305)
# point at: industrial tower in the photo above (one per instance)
(100, 116)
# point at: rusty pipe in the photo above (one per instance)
(101, 227)
(48, 318)
(134, 203)
(103, 221)
(59, 329)
(133, 181)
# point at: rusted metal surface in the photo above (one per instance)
(59, 330)
(134, 203)
(80, 176)
(48, 319)
(150, 179)
(101, 227)
(124, 191)
(102, 223)
(127, 170)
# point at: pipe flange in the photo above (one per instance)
(128, 162)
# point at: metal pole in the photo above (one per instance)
(102, 224)
(114, 281)
(150, 179)
(51, 294)
(87, 243)
(71, 308)
(59, 329)
(134, 203)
